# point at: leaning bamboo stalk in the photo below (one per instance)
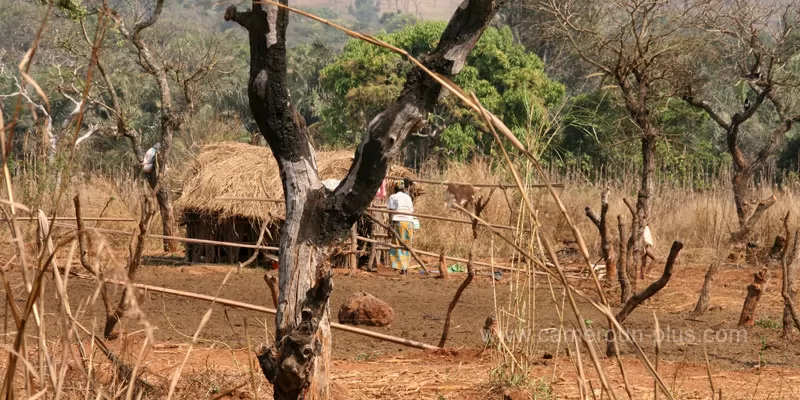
(272, 311)
(176, 238)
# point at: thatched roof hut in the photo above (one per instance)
(232, 170)
(213, 199)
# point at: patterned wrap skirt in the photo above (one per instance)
(401, 257)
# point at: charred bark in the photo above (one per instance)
(298, 363)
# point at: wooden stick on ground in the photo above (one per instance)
(639, 298)
(175, 238)
(483, 185)
(271, 311)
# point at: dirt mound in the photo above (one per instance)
(365, 309)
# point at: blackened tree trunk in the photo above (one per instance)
(298, 364)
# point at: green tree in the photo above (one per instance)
(508, 80)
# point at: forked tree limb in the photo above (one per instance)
(135, 260)
(480, 205)
(298, 363)
(601, 223)
(651, 290)
(255, 251)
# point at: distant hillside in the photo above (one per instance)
(426, 9)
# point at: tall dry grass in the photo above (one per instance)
(699, 217)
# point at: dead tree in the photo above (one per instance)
(167, 74)
(298, 364)
(480, 205)
(601, 223)
(622, 267)
(641, 297)
(757, 52)
(788, 291)
(754, 291)
(638, 47)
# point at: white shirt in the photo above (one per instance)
(331, 184)
(648, 237)
(149, 159)
(401, 201)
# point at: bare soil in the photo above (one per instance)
(745, 363)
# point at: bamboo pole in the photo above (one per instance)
(176, 238)
(381, 210)
(90, 219)
(271, 311)
(478, 185)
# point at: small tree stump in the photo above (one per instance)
(754, 291)
(443, 272)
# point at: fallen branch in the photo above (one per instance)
(380, 210)
(175, 238)
(641, 297)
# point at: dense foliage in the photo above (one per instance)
(576, 119)
(508, 80)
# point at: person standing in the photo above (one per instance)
(149, 165)
(403, 225)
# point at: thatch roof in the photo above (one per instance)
(241, 170)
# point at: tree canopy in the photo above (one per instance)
(507, 79)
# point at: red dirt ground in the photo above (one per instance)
(753, 363)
